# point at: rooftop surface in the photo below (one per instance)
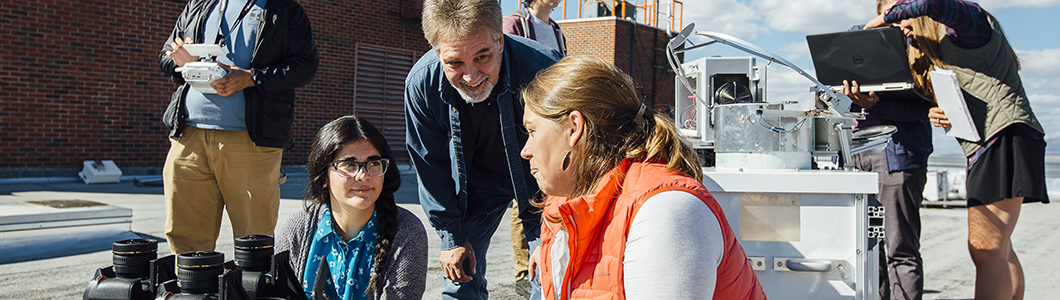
(949, 273)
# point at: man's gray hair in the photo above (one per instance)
(460, 19)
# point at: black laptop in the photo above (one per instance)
(876, 58)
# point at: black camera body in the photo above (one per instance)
(135, 272)
(256, 273)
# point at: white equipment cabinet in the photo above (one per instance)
(805, 232)
(803, 221)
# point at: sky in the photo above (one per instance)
(781, 26)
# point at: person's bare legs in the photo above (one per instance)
(1017, 272)
(998, 274)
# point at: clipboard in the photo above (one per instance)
(950, 98)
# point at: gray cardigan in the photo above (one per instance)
(407, 273)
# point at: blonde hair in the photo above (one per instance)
(460, 19)
(614, 130)
(924, 52)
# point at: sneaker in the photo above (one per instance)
(522, 287)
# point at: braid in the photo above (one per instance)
(387, 213)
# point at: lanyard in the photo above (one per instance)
(221, 38)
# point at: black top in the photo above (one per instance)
(488, 178)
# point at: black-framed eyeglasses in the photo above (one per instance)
(350, 167)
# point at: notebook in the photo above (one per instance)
(950, 98)
(876, 58)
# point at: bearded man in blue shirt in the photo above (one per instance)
(462, 114)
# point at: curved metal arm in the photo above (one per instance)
(675, 65)
(839, 104)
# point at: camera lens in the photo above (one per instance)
(132, 257)
(254, 252)
(197, 271)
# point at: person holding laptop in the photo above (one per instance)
(1006, 166)
(902, 169)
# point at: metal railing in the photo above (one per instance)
(649, 12)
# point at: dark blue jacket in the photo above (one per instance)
(442, 152)
(910, 146)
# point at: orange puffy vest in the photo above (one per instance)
(598, 225)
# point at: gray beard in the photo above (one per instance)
(473, 100)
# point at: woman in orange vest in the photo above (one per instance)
(626, 214)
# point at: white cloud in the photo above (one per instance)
(1040, 73)
(815, 16)
(794, 51)
(727, 16)
(747, 19)
(1040, 63)
(1045, 102)
(783, 84)
(994, 5)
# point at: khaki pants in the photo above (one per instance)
(520, 248)
(208, 171)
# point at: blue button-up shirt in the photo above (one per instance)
(349, 263)
(441, 151)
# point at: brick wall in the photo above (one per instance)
(79, 79)
(337, 28)
(635, 48)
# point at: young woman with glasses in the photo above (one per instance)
(352, 241)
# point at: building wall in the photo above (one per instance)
(635, 48)
(79, 79)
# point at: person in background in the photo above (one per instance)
(352, 241)
(226, 147)
(626, 216)
(902, 168)
(1006, 166)
(462, 116)
(532, 22)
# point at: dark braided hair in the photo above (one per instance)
(328, 143)
(387, 213)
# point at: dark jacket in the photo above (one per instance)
(285, 58)
(910, 146)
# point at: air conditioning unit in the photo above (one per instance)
(100, 171)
